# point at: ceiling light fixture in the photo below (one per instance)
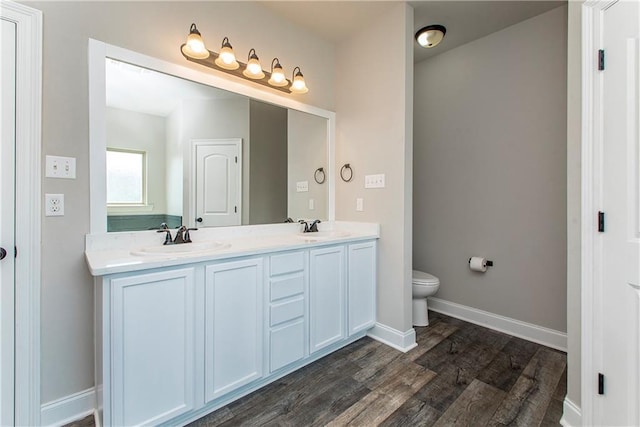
(195, 51)
(430, 36)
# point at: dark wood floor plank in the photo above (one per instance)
(507, 366)
(415, 413)
(376, 406)
(430, 336)
(475, 406)
(528, 400)
(215, 419)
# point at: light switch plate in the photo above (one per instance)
(60, 167)
(302, 186)
(374, 181)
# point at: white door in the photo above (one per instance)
(7, 218)
(620, 284)
(218, 172)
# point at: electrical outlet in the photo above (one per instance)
(359, 205)
(312, 204)
(374, 181)
(60, 167)
(54, 204)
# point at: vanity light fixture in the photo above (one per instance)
(298, 85)
(226, 58)
(253, 69)
(277, 74)
(431, 35)
(195, 51)
(194, 47)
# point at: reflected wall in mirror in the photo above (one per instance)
(210, 157)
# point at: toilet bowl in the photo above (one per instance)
(423, 286)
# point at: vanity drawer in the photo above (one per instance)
(283, 287)
(286, 311)
(287, 263)
(287, 345)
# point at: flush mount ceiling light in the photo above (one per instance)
(430, 35)
(194, 50)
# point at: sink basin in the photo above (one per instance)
(322, 235)
(181, 249)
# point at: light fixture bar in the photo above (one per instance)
(210, 62)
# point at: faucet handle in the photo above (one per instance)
(187, 236)
(167, 237)
(314, 226)
(306, 225)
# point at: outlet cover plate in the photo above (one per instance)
(54, 204)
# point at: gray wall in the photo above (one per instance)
(268, 192)
(374, 103)
(307, 151)
(152, 28)
(490, 170)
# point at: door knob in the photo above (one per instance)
(3, 253)
(199, 219)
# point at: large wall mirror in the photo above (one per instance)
(179, 146)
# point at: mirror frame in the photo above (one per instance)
(100, 51)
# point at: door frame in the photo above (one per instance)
(28, 209)
(592, 201)
(191, 184)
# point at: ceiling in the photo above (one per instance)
(465, 20)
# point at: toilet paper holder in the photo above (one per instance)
(489, 263)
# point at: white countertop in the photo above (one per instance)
(110, 253)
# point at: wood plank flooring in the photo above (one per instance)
(460, 374)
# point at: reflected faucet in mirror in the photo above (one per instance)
(182, 234)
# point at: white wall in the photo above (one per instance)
(307, 151)
(574, 200)
(142, 132)
(374, 90)
(491, 170)
(152, 28)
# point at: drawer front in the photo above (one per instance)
(286, 311)
(287, 263)
(289, 286)
(287, 345)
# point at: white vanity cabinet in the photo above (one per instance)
(152, 321)
(327, 296)
(174, 343)
(233, 325)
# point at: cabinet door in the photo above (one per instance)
(362, 286)
(326, 296)
(234, 325)
(152, 344)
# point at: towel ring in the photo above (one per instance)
(346, 167)
(320, 171)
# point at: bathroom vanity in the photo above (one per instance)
(183, 330)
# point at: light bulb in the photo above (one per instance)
(277, 74)
(253, 69)
(298, 84)
(226, 58)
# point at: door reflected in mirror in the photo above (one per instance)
(206, 156)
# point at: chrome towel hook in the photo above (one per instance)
(346, 171)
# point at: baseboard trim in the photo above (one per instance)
(528, 331)
(69, 408)
(571, 414)
(403, 341)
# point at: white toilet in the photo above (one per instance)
(424, 285)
